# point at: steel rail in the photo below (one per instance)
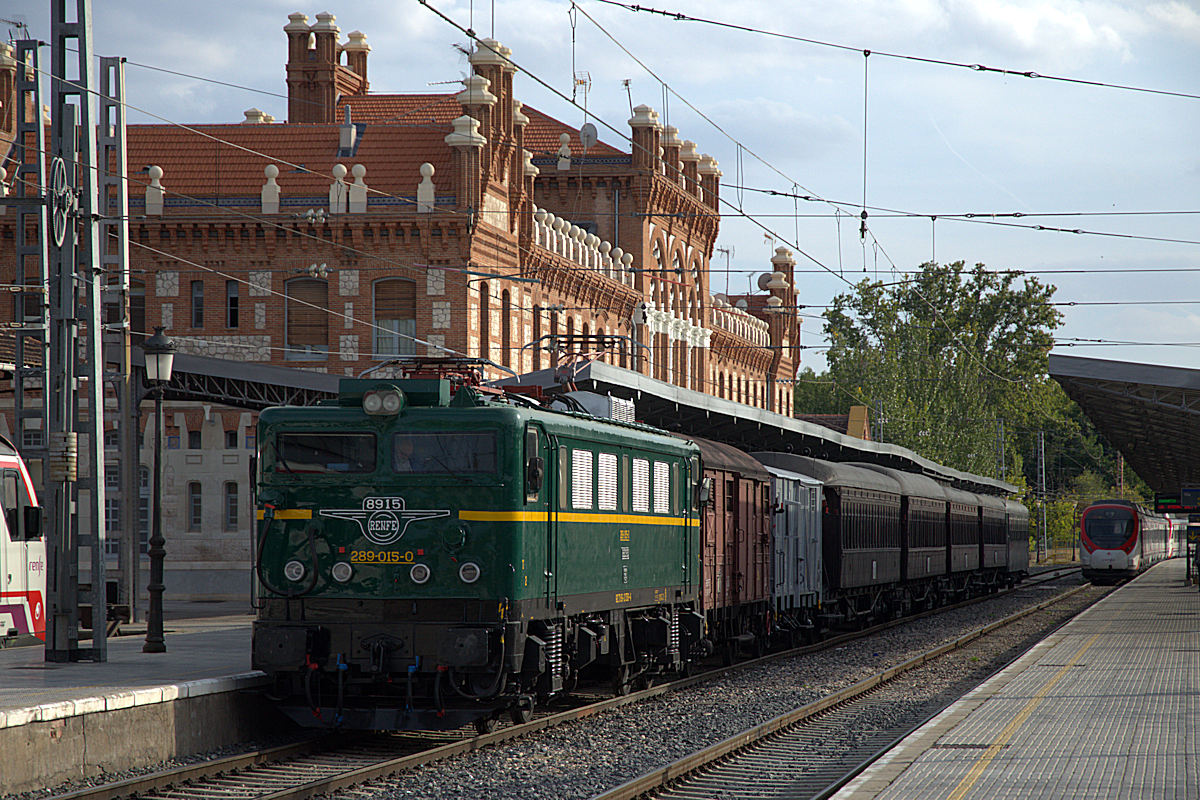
(664, 776)
(227, 766)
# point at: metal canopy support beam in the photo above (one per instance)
(76, 363)
(1146, 411)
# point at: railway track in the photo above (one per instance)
(323, 765)
(790, 756)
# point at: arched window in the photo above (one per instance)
(395, 317)
(506, 354)
(485, 321)
(537, 334)
(306, 319)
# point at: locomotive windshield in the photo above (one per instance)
(1108, 527)
(323, 453)
(448, 453)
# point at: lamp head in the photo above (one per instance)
(160, 356)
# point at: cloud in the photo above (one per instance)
(1055, 34)
(1177, 18)
(760, 120)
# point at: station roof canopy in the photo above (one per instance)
(674, 408)
(1150, 413)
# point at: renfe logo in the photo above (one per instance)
(384, 520)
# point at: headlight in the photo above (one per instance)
(469, 572)
(342, 572)
(383, 401)
(419, 573)
(293, 571)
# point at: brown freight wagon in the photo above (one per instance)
(735, 548)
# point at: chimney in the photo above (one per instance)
(710, 181)
(298, 37)
(646, 133)
(690, 161)
(490, 60)
(670, 145)
(326, 33)
(356, 54)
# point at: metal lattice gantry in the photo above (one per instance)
(1150, 413)
(242, 384)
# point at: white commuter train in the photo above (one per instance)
(1118, 539)
(22, 554)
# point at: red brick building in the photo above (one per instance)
(369, 226)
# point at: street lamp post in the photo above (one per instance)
(160, 357)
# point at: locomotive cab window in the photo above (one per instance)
(444, 453)
(535, 465)
(1109, 527)
(343, 453)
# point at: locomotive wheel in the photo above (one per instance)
(522, 711)
(621, 681)
(728, 654)
(485, 725)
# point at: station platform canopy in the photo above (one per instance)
(676, 409)
(1150, 413)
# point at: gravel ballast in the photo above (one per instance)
(583, 758)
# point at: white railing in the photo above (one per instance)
(580, 247)
(740, 323)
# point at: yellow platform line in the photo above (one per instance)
(972, 777)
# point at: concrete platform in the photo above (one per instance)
(1107, 707)
(61, 722)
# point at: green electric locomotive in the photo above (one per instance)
(433, 553)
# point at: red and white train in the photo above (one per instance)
(1118, 539)
(22, 554)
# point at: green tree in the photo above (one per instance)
(951, 361)
(818, 394)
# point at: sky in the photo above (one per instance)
(1121, 165)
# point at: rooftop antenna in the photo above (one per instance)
(583, 83)
(728, 253)
(19, 25)
(628, 94)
